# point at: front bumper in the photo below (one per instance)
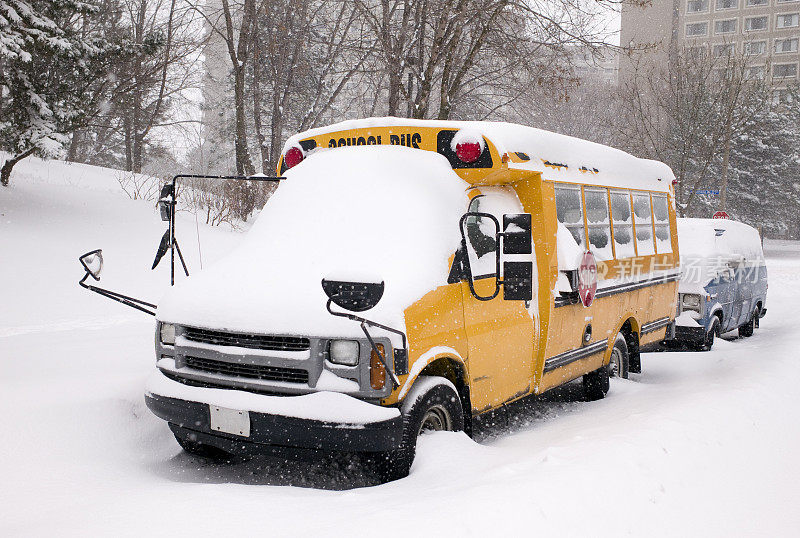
(302, 426)
(690, 334)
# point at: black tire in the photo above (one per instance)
(437, 408)
(619, 363)
(747, 329)
(204, 451)
(711, 334)
(596, 384)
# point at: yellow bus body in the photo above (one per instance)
(503, 354)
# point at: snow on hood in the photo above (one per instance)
(363, 213)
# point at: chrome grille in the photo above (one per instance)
(252, 371)
(250, 341)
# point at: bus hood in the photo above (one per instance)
(367, 214)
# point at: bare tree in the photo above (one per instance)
(687, 114)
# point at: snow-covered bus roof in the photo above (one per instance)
(558, 157)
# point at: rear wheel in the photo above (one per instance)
(432, 405)
(596, 383)
(619, 363)
(747, 329)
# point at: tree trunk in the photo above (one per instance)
(257, 98)
(723, 198)
(244, 165)
(5, 171)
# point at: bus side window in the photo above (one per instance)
(623, 221)
(661, 214)
(570, 212)
(597, 219)
(644, 224)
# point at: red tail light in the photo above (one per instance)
(468, 152)
(293, 157)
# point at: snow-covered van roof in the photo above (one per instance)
(706, 238)
(514, 150)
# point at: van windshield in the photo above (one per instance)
(374, 213)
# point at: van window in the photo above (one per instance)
(661, 214)
(623, 224)
(570, 212)
(597, 218)
(644, 224)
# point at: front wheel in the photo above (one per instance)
(432, 405)
(204, 451)
(711, 334)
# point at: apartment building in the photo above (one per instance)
(767, 32)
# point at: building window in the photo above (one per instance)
(696, 6)
(697, 53)
(727, 4)
(786, 1)
(726, 49)
(755, 72)
(788, 21)
(784, 70)
(786, 45)
(755, 48)
(750, 3)
(725, 27)
(697, 29)
(754, 24)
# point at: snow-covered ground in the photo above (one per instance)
(699, 444)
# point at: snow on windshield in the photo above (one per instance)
(376, 213)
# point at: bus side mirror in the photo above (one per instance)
(517, 281)
(517, 276)
(92, 263)
(517, 234)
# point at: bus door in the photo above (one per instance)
(500, 333)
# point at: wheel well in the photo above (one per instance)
(632, 341)
(456, 373)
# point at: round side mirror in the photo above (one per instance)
(93, 263)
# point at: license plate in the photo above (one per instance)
(230, 421)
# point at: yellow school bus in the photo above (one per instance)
(548, 259)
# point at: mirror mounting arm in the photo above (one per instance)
(364, 322)
(138, 304)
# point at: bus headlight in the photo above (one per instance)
(167, 334)
(690, 301)
(343, 352)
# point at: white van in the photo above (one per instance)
(723, 282)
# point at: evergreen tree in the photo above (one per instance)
(51, 75)
(765, 166)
